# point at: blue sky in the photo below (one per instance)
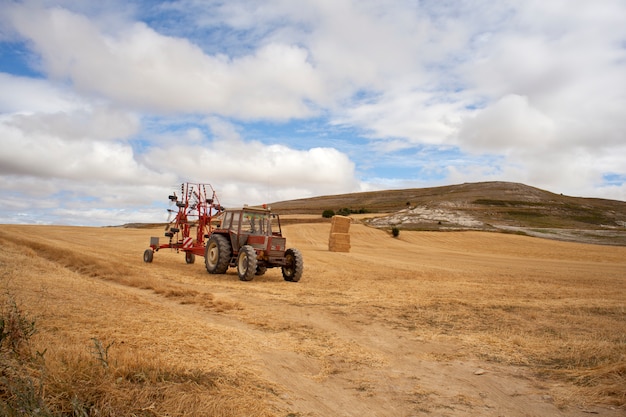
(105, 108)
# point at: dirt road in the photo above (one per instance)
(426, 324)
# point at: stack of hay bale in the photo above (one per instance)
(339, 240)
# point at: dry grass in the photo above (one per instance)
(107, 352)
(116, 336)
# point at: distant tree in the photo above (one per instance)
(395, 232)
(327, 214)
(344, 212)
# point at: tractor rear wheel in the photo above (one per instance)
(148, 254)
(217, 254)
(246, 263)
(294, 265)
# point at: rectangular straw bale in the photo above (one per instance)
(340, 224)
(339, 242)
(336, 248)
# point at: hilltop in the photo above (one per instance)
(491, 206)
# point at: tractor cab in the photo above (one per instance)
(249, 222)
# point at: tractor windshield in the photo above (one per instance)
(256, 223)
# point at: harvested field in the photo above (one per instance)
(426, 324)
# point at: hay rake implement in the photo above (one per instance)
(195, 209)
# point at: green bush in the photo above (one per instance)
(327, 214)
(344, 211)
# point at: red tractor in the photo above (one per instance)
(250, 239)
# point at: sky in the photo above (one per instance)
(107, 107)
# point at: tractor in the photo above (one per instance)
(250, 239)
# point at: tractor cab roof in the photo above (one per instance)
(255, 209)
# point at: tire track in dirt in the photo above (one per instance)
(376, 370)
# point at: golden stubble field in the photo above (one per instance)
(428, 324)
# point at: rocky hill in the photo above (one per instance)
(494, 206)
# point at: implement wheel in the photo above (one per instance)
(148, 254)
(190, 257)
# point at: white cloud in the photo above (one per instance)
(51, 133)
(99, 123)
(251, 170)
(137, 66)
(33, 95)
(509, 124)
(403, 119)
(43, 200)
(536, 89)
(46, 155)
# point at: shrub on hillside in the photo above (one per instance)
(344, 211)
(327, 214)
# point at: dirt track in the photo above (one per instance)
(443, 324)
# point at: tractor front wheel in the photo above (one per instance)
(294, 265)
(246, 263)
(217, 254)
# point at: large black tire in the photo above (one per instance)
(246, 263)
(294, 265)
(190, 257)
(260, 270)
(217, 254)
(148, 254)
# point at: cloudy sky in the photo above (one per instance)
(106, 107)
